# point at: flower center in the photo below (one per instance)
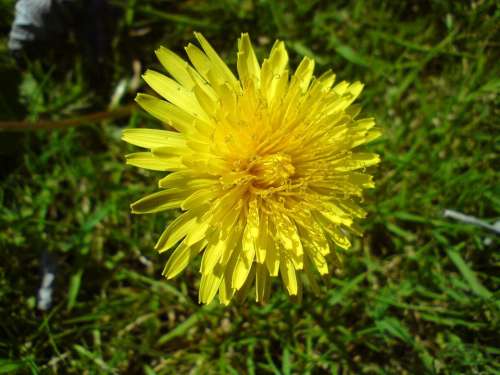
(272, 170)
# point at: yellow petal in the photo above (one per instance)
(337, 106)
(181, 257)
(335, 214)
(208, 103)
(227, 209)
(166, 112)
(176, 66)
(303, 74)
(298, 85)
(216, 61)
(325, 81)
(318, 260)
(242, 293)
(262, 240)
(198, 146)
(272, 70)
(226, 291)
(233, 233)
(361, 179)
(251, 233)
(365, 123)
(187, 179)
(356, 161)
(199, 60)
(198, 198)
(242, 269)
(354, 90)
(212, 255)
(209, 285)
(288, 275)
(247, 63)
(227, 98)
(170, 151)
(151, 138)
(262, 283)
(367, 138)
(280, 88)
(147, 160)
(197, 233)
(178, 229)
(338, 236)
(205, 163)
(175, 93)
(248, 243)
(159, 201)
(286, 232)
(352, 208)
(272, 260)
(313, 237)
(341, 87)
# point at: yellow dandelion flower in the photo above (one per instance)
(262, 167)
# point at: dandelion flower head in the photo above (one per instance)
(262, 166)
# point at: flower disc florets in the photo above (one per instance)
(263, 167)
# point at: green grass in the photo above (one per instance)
(419, 293)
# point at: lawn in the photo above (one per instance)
(418, 294)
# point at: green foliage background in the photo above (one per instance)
(419, 293)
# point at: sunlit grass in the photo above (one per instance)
(418, 293)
